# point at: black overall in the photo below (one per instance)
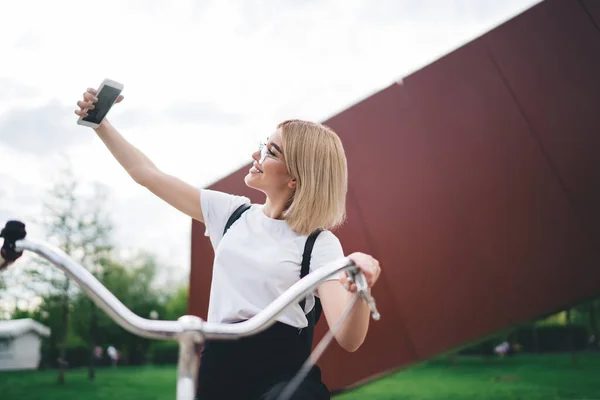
(258, 367)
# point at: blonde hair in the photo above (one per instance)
(315, 158)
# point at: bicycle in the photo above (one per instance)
(189, 330)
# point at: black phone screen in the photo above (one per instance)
(106, 98)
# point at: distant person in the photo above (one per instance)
(113, 354)
(502, 349)
(301, 170)
(593, 342)
(515, 348)
(97, 355)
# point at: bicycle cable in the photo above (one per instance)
(291, 387)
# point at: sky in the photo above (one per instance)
(204, 83)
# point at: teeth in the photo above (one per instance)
(256, 170)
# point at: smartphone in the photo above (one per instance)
(108, 92)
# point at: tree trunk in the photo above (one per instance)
(570, 344)
(62, 360)
(594, 326)
(92, 369)
(593, 321)
(536, 338)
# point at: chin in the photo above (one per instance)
(252, 184)
(248, 180)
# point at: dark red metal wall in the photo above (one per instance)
(476, 182)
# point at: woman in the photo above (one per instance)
(302, 172)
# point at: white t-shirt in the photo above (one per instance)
(257, 260)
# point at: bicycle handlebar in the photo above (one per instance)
(166, 330)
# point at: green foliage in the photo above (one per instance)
(162, 353)
(76, 355)
(131, 283)
(177, 304)
(550, 338)
(19, 313)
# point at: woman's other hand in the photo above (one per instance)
(368, 265)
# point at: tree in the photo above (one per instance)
(78, 225)
(61, 224)
(94, 230)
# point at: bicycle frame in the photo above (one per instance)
(188, 330)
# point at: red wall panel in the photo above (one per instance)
(513, 210)
(476, 182)
(592, 8)
(551, 63)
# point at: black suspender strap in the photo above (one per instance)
(308, 247)
(313, 315)
(235, 215)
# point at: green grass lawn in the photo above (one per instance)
(526, 377)
(522, 377)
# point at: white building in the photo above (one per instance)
(20, 343)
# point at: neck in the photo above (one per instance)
(275, 205)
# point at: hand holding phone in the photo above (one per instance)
(97, 103)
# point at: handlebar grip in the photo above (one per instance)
(12, 231)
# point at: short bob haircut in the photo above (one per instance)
(316, 159)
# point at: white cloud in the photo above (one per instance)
(198, 75)
(10, 90)
(40, 130)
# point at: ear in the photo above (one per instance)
(292, 184)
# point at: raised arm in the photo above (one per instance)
(179, 194)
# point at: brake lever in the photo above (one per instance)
(356, 276)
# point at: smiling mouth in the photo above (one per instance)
(255, 170)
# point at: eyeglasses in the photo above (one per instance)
(266, 152)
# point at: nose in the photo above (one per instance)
(256, 155)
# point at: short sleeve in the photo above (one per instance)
(217, 207)
(327, 249)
